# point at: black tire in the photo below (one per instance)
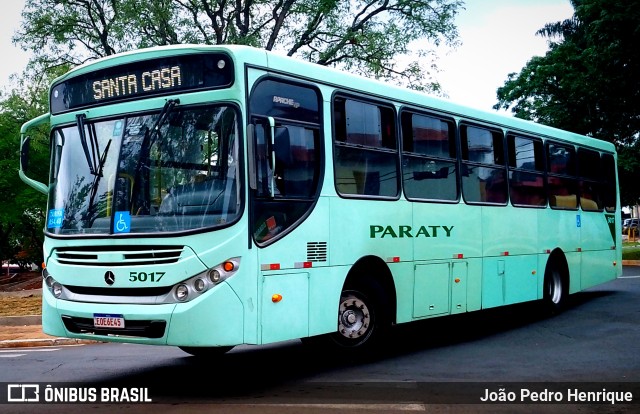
(206, 351)
(555, 289)
(363, 320)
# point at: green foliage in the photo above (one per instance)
(588, 82)
(631, 253)
(22, 214)
(371, 37)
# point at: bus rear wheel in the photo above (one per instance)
(555, 289)
(206, 351)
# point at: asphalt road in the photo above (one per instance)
(439, 365)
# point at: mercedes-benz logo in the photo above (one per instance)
(110, 278)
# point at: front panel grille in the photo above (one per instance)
(118, 255)
(141, 329)
(123, 292)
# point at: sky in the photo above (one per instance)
(498, 38)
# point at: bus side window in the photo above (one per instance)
(526, 171)
(589, 171)
(365, 148)
(562, 187)
(484, 178)
(609, 184)
(429, 166)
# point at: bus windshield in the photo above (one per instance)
(169, 171)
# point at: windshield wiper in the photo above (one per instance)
(95, 161)
(90, 155)
(162, 118)
(151, 134)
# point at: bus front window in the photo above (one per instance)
(174, 174)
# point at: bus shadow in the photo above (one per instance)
(472, 326)
(281, 372)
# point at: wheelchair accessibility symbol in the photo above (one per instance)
(122, 222)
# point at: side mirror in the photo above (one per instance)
(25, 144)
(24, 154)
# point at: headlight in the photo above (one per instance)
(182, 292)
(192, 287)
(214, 276)
(199, 285)
(49, 281)
(56, 289)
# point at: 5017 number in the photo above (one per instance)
(145, 277)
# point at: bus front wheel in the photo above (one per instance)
(362, 319)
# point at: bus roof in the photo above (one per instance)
(345, 81)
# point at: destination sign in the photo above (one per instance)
(148, 81)
(140, 79)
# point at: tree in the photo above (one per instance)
(22, 214)
(371, 37)
(588, 82)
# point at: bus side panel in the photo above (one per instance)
(307, 243)
(403, 281)
(595, 232)
(510, 244)
(285, 307)
(598, 250)
(445, 231)
(597, 267)
(508, 280)
(474, 283)
(370, 227)
(560, 229)
(451, 232)
(509, 231)
(574, 261)
(325, 286)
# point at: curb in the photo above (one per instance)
(631, 263)
(32, 343)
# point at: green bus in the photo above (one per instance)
(210, 196)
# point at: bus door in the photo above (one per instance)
(288, 223)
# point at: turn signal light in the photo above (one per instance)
(276, 297)
(228, 266)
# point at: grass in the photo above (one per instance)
(20, 306)
(631, 250)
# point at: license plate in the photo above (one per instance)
(102, 320)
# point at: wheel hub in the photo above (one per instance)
(353, 318)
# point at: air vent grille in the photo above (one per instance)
(317, 251)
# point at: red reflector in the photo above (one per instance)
(274, 266)
(579, 249)
(307, 265)
(395, 259)
(458, 256)
(505, 253)
(548, 251)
